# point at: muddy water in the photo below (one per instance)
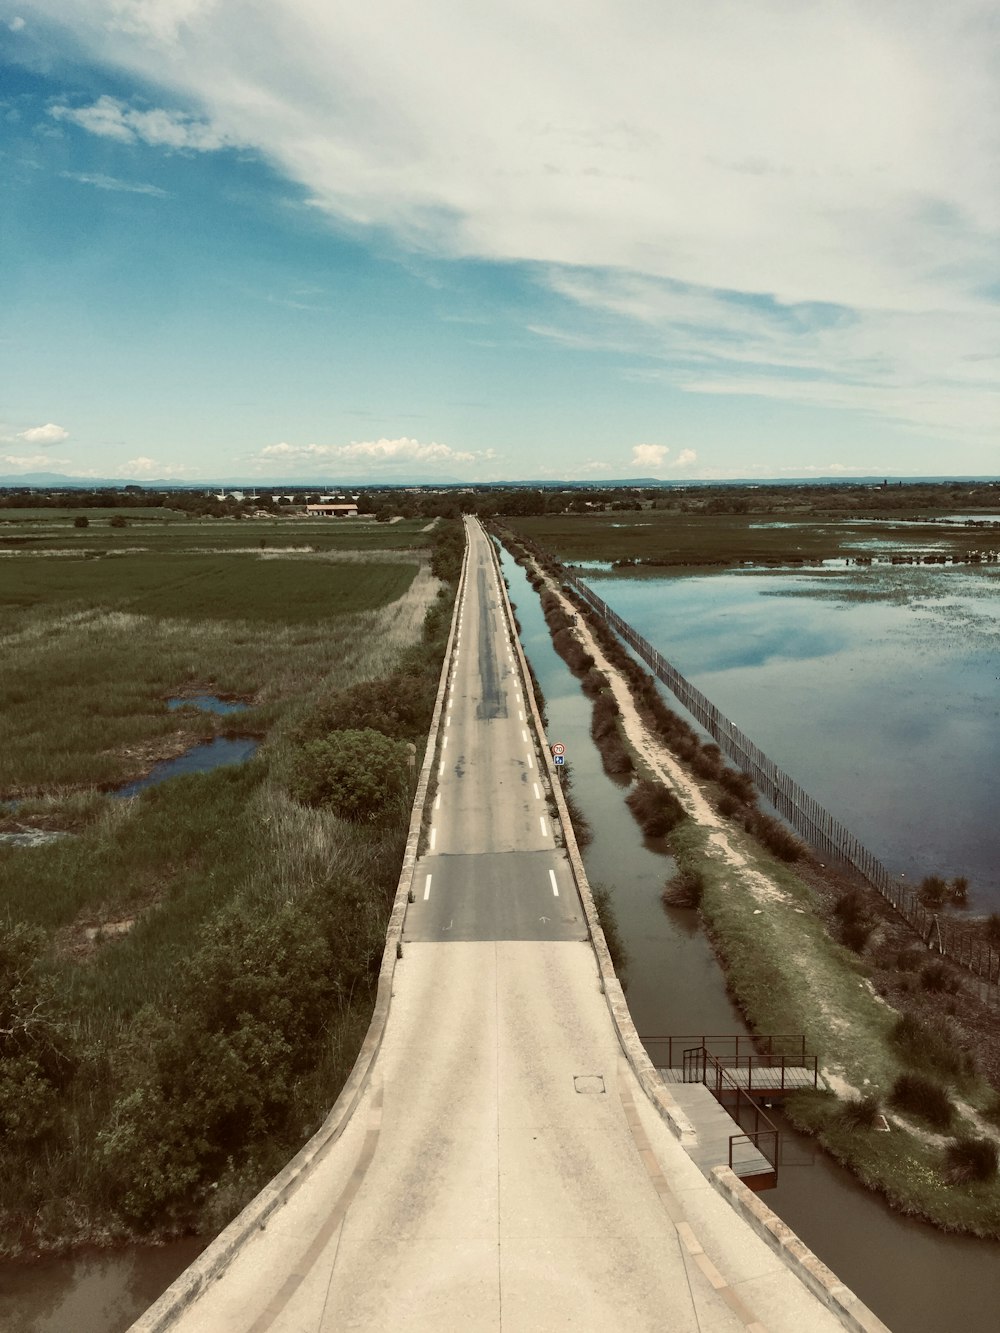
(916, 1279)
(100, 1292)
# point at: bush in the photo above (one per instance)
(739, 785)
(958, 891)
(854, 935)
(728, 806)
(81, 521)
(938, 1047)
(359, 775)
(35, 1055)
(861, 1112)
(400, 706)
(993, 927)
(777, 838)
(921, 1097)
(656, 809)
(932, 891)
(118, 521)
(969, 1159)
(609, 924)
(685, 889)
(937, 976)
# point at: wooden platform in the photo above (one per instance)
(714, 1127)
(758, 1081)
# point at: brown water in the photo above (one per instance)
(98, 1291)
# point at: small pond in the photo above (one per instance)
(207, 703)
(217, 753)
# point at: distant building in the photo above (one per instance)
(348, 509)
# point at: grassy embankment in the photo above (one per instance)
(769, 911)
(186, 979)
(659, 538)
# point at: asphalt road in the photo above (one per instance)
(492, 870)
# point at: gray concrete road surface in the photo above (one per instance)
(503, 1170)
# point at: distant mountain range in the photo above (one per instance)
(56, 480)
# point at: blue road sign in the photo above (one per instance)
(559, 759)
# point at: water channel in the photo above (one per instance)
(916, 1278)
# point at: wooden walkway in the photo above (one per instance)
(714, 1127)
(759, 1080)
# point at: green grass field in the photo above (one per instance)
(195, 587)
(173, 532)
(212, 928)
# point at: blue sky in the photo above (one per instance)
(499, 241)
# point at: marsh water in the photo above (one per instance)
(728, 632)
(203, 758)
(876, 688)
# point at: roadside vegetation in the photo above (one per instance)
(189, 974)
(910, 1051)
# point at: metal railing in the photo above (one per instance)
(700, 1066)
(770, 1058)
(803, 813)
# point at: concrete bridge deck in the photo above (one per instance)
(503, 1169)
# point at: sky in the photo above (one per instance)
(284, 239)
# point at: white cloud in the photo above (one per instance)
(685, 458)
(26, 461)
(594, 465)
(149, 467)
(102, 182)
(50, 433)
(649, 455)
(379, 452)
(16, 24)
(813, 188)
(110, 118)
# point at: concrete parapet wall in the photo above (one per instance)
(820, 1280)
(214, 1260)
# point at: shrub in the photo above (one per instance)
(938, 976)
(685, 889)
(81, 521)
(993, 927)
(854, 935)
(778, 839)
(938, 1047)
(399, 706)
(609, 924)
(921, 1097)
(728, 806)
(739, 785)
(861, 1112)
(35, 1055)
(594, 682)
(359, 775)
(958, 891)
(572, 651)
(118, 521)
(968, 1159)
(656, 809)
(932, 891)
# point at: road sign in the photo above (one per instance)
(558, 748)
(559, 759)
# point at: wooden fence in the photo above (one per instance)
(803, 813)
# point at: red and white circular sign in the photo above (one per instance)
(558, 748)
